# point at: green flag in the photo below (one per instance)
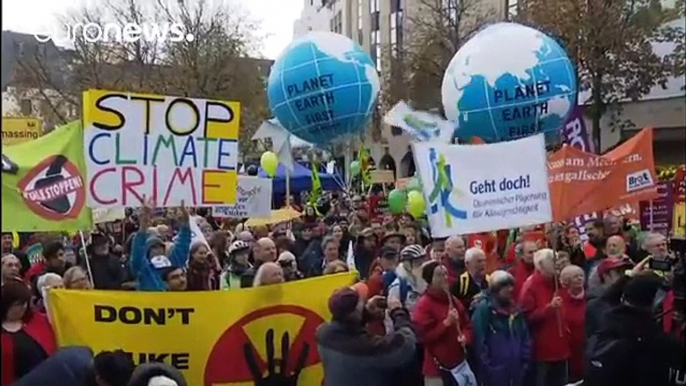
(44, 183)
(316, 185)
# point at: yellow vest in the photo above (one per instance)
(464, 282)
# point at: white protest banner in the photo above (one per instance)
(107, 215)
(481, 188)
(253, 199)
(165, 148)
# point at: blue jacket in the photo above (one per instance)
(148, 278)
(502, 344)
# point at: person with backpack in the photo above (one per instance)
(474, 280)
(502, 344)
(408, 284)
(382, 276)
(631, 349)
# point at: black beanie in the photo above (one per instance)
(428, 271)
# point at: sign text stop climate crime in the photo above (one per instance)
(170, 149)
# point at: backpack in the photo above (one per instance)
(404, 286)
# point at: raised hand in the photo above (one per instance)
(145, 217)
(184, 218)
(282, 378)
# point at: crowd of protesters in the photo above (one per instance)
(543, 308)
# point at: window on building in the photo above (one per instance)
(396, 37)
(374, 6)
(26, 107)
(359, 18)
(512, 8)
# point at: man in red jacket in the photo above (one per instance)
(542, 307)
(453, 258)
(524, 264)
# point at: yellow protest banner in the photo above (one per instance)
(170, 149)
(18, 130)
(217, 338)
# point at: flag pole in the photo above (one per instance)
(85, 256)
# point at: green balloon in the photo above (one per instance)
(355, 168)
(415, 204)
(397, 200)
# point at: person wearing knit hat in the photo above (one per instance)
(443, 323)
(630, 348)
(149, 263)
(157, 374)
(500, 327)
(349, 355)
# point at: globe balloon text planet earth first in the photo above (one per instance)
(323, 86)
(509, 81)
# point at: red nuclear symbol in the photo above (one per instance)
(255, 346)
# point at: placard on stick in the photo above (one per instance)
(170, 149)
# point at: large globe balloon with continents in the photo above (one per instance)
(509, 81)
(323, 86)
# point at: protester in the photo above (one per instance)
(474, 279)
(453, 258)
(501, 335)
(174, 278)
(437, 249)
(69, 366)
(264, 251)
(44, 283)
(365, 251)
(54, 262)
(106, 268)
(290, 266)
(268, 273)
(612, 278)
(352, 357)
(524, 264)
(148, 259)
(335, 267)
(595, 246)
(11, 268)
(27, 337)
(630, 349)
(572, 244)
(330, 252)
(237, 266)
(394, 240)
(444, 328)
(76, 278)
(408, 284)
(199, 273)
(7, 244)
(542, 305)
(574, 311)
(157, 374)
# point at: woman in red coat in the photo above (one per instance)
(27, 337)
(442, 325)
(574, 311)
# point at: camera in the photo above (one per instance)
(660, 265)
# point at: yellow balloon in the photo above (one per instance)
(415, 204)
(269, 162)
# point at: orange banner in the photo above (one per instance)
(583, 182)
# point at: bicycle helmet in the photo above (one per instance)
(412, 252)
(238, 246)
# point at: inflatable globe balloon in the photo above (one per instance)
(323, 86)
(509, 81)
